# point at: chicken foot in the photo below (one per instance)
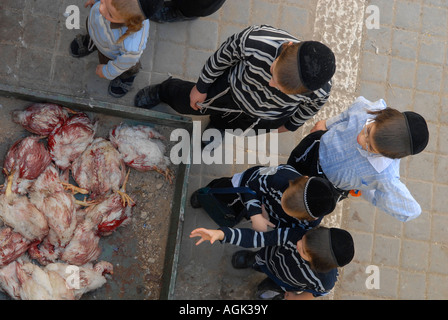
(74, 189)
(126, 200)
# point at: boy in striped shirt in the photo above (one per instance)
(294, 260)
(260, 78)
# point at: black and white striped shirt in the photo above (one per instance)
(270, 183)
(280, 259)
(249, 55)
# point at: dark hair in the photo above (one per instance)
(328, 248)
(391, 137)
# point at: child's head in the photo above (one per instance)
(309, 198)
(302, 67)
(326, 248)
(127, 12)
(395, 134)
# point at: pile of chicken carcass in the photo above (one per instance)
(45, 230)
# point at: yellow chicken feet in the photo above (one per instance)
(126, 200)
(168, 174)
(85, 203)
(74, 189)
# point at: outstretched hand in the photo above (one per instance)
(207, 235)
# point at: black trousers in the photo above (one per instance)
(198, 8)
(305, 159)
(176, 93)
(305, 156)
(230, 199)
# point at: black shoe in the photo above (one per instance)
(243, 259)
(269, 290)
(169, 14)
(194, 201)
(119, 87)
(147, 97)
(81, 46)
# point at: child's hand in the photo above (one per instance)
(99, 70)
(89, 3)
(207, 234)
(260, 223)
(196, 97)
(320, 125)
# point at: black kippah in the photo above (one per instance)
(317, 64)
(418, 131)
(342, 246)
(149, 7)
(319, 197)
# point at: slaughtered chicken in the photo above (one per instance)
(86, 278)
(142, 148)
(25, 161)
(100, 168)
(37, 283)
(41, 118)
(12, 245)
(84, 246)
(70, 140)
(59, 207)
(110, 211)
(19, 213)
(9, 282)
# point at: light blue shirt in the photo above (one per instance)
(348, 168)
(123, 55)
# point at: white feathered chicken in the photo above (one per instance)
(12, 245)
(91, 277)
(24, 280)
(142, 148)
(110, 211)
(100, 169)
(84, 245)
(25, 161)
(19, 213)
(69, 141)
(41, 118)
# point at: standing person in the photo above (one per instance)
(361, 149)
(282, 197)
(293, 259)
(119, 30)
(260, 78)
(181, 10)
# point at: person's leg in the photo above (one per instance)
(305, 156)
(82, 45)
(122, 84)
(230, 199)
(198, 8)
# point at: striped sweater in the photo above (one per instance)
(249, 55)
(123, 55)
(280, 259)
(270, 183)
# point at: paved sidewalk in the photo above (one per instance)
(404, 62)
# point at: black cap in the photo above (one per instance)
(418, 131)
(317, 64)
(342, 246)
(319, 197)
(149, 7)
